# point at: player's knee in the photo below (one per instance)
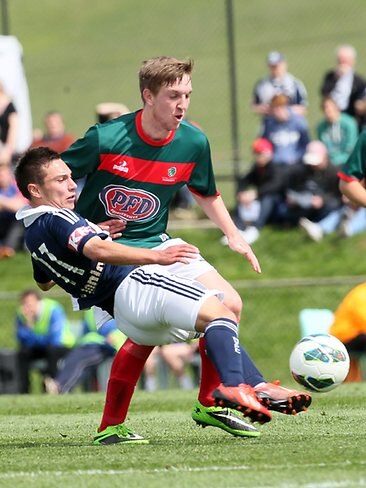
(213, 309)
(235, 304)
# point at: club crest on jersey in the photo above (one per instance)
(76, 236)
(130, 204)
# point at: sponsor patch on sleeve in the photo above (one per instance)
(77, 235)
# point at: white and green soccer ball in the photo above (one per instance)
(319, 362)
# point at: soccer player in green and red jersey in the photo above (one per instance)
(134, 165)
(353, 173)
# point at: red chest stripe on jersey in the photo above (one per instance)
(143, 170)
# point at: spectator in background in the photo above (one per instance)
(42, 332)
(342, 83)
(8, 127)
(311, 187)
(11, 200)
(92, 348)
(338, 131)
(177, 357)
(347, 220)
(260, 192)
(55, 137)
(287, 131)
(110, 110)
(360, 109)
(279, 82)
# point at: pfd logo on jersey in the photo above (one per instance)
(129, 204)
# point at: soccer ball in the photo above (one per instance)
(320, 362)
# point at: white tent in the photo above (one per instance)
(13, 78)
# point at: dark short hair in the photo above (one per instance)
(162, 71)
(30, 167)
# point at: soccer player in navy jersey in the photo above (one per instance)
(134, 165)
(150, 305)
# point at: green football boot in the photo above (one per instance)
(115, 434)
(224, 418)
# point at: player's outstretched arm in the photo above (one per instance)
(216, 211)
(110, 252)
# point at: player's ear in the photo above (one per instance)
(147, 96)
(34, 190)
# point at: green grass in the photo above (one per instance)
(46, 442)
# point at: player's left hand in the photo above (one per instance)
(114, 227)
(181, 253)
(239, 245)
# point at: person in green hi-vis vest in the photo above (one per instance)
(42, 332)
(93, 347)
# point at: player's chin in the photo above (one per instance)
(69, 203)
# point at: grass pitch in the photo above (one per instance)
(47, 442)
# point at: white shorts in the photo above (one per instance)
(191, 270)
(154, 307)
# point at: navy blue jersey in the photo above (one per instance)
(55, 239)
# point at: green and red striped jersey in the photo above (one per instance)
(355, 167)
(134, 178)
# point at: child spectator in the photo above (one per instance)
(287, 131)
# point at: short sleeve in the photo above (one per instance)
(83, 156)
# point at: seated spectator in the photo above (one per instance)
(311, 187)
(92, 348)
(349, 324)
(260, 192)
(55, 136)
(8, 127)
(347, 220)
(342, 83)
(360, 109)
(279, 82)
(287, 131)
(42, 332)
(177, 357)
(110, 110)
(338, 131)
(11, 200)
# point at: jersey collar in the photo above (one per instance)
(146, 138)
(29, 214)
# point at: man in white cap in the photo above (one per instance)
(312, 186)
(279, 82)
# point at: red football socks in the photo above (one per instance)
(210, 379)
(126, 369)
